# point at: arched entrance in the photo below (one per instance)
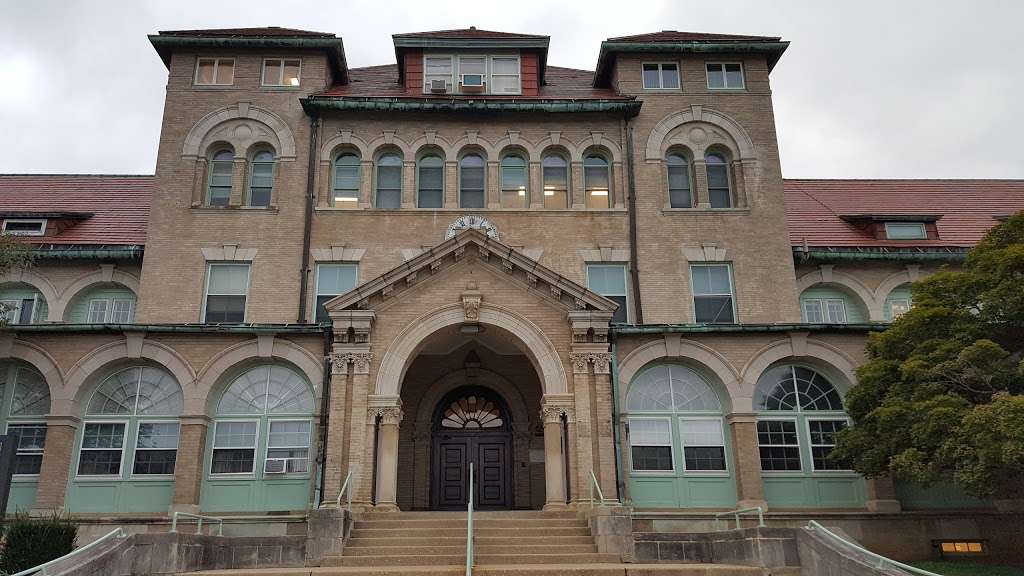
(471, 424)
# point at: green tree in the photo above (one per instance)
(941, 394)
(13, 254)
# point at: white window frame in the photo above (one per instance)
(206, 288)
(485, 76)
(518, 75)
(725, 76)
(280, 80)
(625, 277)
(800, 452)
(255, 449)
(811, 445)
(216, 67)
(732, 291)
(455, 77)
(267, 448)
(892, 312)
(135, 449)
(672, 449)
(12, 312)
(725, 451)
(19, 451)
(826, 314)
(316, 281)
(131, 309)
(661, 78)
(40, 221)
(106, 311)
(889, 226)
(81, 448)
(450, 86)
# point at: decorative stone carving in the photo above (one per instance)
(339, 364)
(472, 222)
(411, 278)
(556, 292)
(579, 333)
(579, 362)
(553, 414)
(460, 252)
(390, 415)
(471, 306)
(435, 266)
(386, 291)
(507, 265)
(531, 280)
(579, 303)
(485, 254)
(359, 360)
(602, 362)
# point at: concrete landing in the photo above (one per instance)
(503, 570)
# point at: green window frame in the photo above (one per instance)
(261, 180)
(345, 185)
(24, 403)
(824, 310)
(333, 279)
(609, 280)
(597, 182)
(714, 301)
(111, 311)
(515, 182)
(221, 178)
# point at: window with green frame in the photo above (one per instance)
(131, 425)
(221, 170)
(263, 425)
(25, 398)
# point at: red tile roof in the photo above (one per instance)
(266, 32)
(382, 82)
(466, 33)
(968, 208)
(119, 205)
(670, 36)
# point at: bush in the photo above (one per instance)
(29, 542)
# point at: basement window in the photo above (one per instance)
(955, 548)
(24, 227)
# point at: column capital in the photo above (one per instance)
(352, 326)
(741, 417)
(579, 362)
(359, 359)
(553, 414)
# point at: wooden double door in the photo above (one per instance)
(491, 455)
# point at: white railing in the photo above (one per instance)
(469, 526)
(881, 561)
(199, 522)
(596, 487)
(41, 569)
(739, 512)
(345, 492)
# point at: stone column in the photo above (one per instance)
(324, 193)
(335, 465)
(746, 460)
(366, 183)
(700, 182)
(408, 184)
(882, 496)
(57, 458)
(200, 178)
(451, 184)
(387, 467)
(554, 471)
(238, 178)
(360, 436)
(190, 464)
(739, 184)
(619, 187)
(492, 190)
(576, 186)
(536, 189)
(602, 415)
(584, 425)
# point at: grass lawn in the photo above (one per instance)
(963, 569)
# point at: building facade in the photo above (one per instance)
(376, 277)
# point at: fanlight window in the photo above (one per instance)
(31, 395)
(671, 387)
(472, 412)
(138, 390)
(267, 390)
(797, 389)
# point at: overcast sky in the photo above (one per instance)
(868, 89)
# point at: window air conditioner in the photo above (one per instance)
(275, 466)
(472, 81)
(439, 86)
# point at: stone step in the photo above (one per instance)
(481, 559)
(417, 515)
(478, 523)
(478, 532)
(502, 570)
(481, 549)
(510, 541)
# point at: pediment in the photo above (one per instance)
(487, 252)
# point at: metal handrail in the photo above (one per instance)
(41, 569)
(738, 512)
(882, 561)
(199, 522)
(594, 485)
(345, 490)
(469, 526)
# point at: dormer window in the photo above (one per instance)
(281, 72)
(25, 227)
(905, 231)
(473, 74)
(215, 72)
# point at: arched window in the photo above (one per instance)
(261, 179)
(131, 425)
(673, 405)
(263, 424)
(898, 302)
(345, 189)
(801, 412)
(471, 182)
(219, 186)
(431, 182)
(680, 191)
(719, 186)
(597, 181)
(514, 182)
(22, 304)
(24, 401)
(555, 176)
(389, 181)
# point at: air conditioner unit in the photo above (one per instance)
(472, 80)
(275, 466)
(439, 86)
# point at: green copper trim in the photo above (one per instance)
(773, 50)
(953, 255)
(172, 328)
(621, 329)
(334, 47)
(628, 108)
(53, 252)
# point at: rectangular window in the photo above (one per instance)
(26, 312)
(898, 307)
(823, 440)
(905, 231)
(779, 446)
(227, 286)
(650, 442)
(25, 227)
(505, 75)
(472, 73)
(215, 72)
(333, 280)
(156, 448)
(957, 548)
(609, 280)
(28, 459)
(98, 311)
(661, 76)
(437, 69)
(288, 447)
(102, 447)
(725, 76)
(121, 310)
(830, 310)
(281, 72)
(712, 293)
(703, 443)
(234, 448)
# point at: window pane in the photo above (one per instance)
(472, 65)
(711, 280)
(121, 313)
(905, 231)
(291, 73)
(229, 278)
(272, 72)
(699, 458)
(716, 76)
(205, 72)
(157, 435)
(225, 309)
(505, 66)
(31, 394)
(701, 432)
(235, 435)
(669, 76)
(505, 85)
(439, 65)
(288, 392)
(836, 311)
(652, 458)
(780, 458)
(99, 463)
(154, 462)
(647, 432)
(651, 77)
(717, 176)
(103, 436)
(97, 311)
(651, 391)
(607, 280)
(813, 312)
(713, 309)
(733, 76)
(225, 72)
(233, 461)
(289, 434)
(336, 278)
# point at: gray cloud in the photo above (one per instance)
(867, 89)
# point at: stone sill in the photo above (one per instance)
(703, 211)
(430, 211)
